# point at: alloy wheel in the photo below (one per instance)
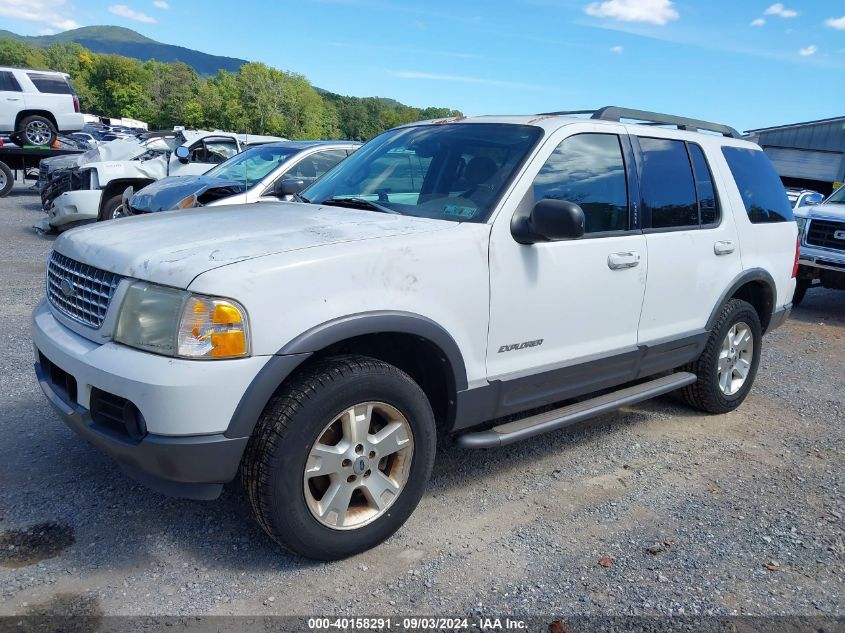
(735, 358)
(358, 466)
(37, 133)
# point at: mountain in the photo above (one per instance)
(121, 41)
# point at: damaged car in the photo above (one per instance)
(93, 190)
(115, 150)
(266, 173)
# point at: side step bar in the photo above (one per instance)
(558, 418)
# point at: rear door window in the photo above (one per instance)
(8, 83)
(667, 184)
(708, 201)
(51, 84)
(759, 185)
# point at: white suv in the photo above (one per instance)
(489, 277)
(36, 105)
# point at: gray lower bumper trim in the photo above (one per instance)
(193, 467)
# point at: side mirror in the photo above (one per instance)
(182, 153)
(549, 221)
(288, 186)
(813, 198)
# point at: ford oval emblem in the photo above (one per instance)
(839, 235)
(67, 288)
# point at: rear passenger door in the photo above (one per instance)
(693, 250)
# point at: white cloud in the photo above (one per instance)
(836, 23)
(617, 49)
(807, 52)
(652, 11)
(53, 13)
(782, 11)
(125, 12)
(758, 22)
(161, 4)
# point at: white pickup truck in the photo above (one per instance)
(490, 278)
(93, 190)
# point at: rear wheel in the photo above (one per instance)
(112, 209)
(728, 364)
(36, 130)
(340, 457)
(7, 179)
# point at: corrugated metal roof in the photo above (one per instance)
(806, 123)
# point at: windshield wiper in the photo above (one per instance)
(299, 198)
(359, 203)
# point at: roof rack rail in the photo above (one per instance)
(614, 113)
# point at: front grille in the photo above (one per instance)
(821, 233)
(79, 291)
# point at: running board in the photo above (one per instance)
(560, 418)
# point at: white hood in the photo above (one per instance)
(173, 248)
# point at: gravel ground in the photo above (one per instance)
(654, 510)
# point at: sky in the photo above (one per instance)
(745, 63)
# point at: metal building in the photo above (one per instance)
(810, 154)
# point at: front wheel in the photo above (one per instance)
(340, 457)
(111, 209)
(728, 364)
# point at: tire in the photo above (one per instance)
(36, 130)
(801, 288)
(284, 498)
(7, 180)
(107, 210)
(706, 393)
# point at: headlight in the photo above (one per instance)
(179, 323)
(801, 222)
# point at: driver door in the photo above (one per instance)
(205, 154)
(564, 315)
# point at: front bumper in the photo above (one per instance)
(75, 206)
(186, 406)
(825, 259)
(188, 467)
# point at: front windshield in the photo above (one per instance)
(838, 196)
(454, 171)
(252, 165)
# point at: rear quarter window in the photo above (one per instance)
(51, 84)
(759, 185)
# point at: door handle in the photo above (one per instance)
(724, 247)
(619, 261)
(12, 99)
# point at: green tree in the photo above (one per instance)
(15, 53)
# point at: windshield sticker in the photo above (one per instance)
(461, 212)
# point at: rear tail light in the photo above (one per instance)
(797, 255)
(75, 103)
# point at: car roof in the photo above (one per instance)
(35, 70)
(554, 121)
